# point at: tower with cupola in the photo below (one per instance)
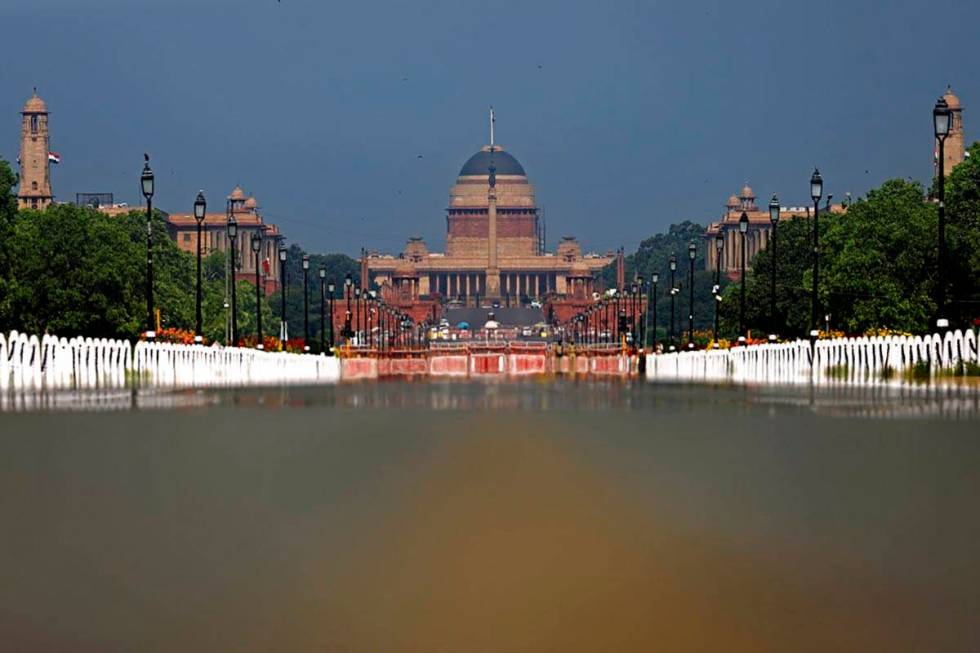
(35, 166)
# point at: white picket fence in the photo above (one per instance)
(52, 363)
(842, 361)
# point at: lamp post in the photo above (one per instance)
(330, 289)
(743, 228)
(200, 206)
(654, 278)
(348, 282)
(357, 314)
(716, 291)
(146, 183)
(942, 119)
(692, 253)
(774, 209)
(232, 238)
(323, 311)
(816, 191)
(306, 302)
(634, 293)
(257, 249)
(643, 317)
(673, 291)
(283, 330)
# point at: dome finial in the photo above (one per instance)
(492, 120)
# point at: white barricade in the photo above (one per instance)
(51, 363)
(858, 361)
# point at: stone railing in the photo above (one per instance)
(52, 363)
(864, 361)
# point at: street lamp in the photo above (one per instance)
(357, 314)
(743, 228)
(692, 253)
(283, 330)
(323, 317)
(634, 292)
(942, 119)
(673, 291)
(306, 302)
(257, 249)
(330, 289)
(232, 237)
(774, 210)
(643, 319)
(348, 282)
(200, 206)
(654, 279)
(716, 291)
(146, 183)
(816, 191)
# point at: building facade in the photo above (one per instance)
(183, 229)
(494, 244)
(35, 153)
(756, 238)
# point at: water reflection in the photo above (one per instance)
(909, 401)
(490, 517)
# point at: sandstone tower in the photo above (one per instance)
(954, 148)
(35, 168)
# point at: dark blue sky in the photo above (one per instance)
(627, 115)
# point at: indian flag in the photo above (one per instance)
(54, 157)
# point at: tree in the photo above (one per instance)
(881, 263)
(963, 238)
(8, 215)
(654, 254)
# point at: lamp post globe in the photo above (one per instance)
(232, 228)
(147, 186)
(200, 208)
(941, 118)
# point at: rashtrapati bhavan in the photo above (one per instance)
(495, 244)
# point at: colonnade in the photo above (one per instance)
(514, 284)
(757, 239)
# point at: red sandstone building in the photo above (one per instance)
(183, 229)
(495, 248)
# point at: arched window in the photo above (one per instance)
(33, 185)
(34, 122)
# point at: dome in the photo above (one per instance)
(479, 163)
(35, 105)
(747, 192)
(237, 194)
(250, 203)
(952, 101)
(732, 201)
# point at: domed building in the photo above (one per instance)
(214, 237)
(495, 242)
